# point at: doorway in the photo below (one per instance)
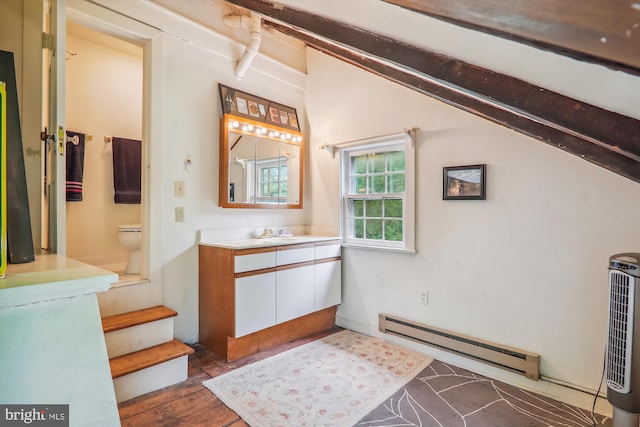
(104, 99)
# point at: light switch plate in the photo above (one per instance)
(179, 188)
(180, 214)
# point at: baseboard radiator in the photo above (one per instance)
(522, 362)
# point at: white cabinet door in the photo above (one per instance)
(328, 280)
(295, 292)
(255, 303)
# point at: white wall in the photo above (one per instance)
(104, 98)
(525, 268)
(191, 111)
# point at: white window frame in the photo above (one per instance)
(252, 170)
(270, 163)
(395, 142)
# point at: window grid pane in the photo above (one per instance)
(377, 173)
(375, 196)
(376, 218)
(393, 230)
(376, 163)
(272, 183)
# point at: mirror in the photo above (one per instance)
(260, 165)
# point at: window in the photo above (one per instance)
(272, 182)
(378, 193)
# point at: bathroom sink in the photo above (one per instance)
(282, 239)
(269, 241)
(277, 240)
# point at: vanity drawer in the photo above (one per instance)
(330, 249)
(295, 253)
(253, 261)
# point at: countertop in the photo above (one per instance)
(51, 277)
(270, 241)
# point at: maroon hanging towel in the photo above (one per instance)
(127, 165)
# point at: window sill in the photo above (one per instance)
(378, 248)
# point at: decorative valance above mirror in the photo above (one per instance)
(261, 162)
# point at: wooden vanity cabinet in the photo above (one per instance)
(255, 298)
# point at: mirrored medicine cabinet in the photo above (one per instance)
(261, 165)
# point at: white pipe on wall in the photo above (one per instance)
(253, 23)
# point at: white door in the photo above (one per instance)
(54, 113)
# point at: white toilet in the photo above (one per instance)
(129, 236)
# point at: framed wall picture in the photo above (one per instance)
(464, 182)
(259, 109)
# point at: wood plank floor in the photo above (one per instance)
(189, 403)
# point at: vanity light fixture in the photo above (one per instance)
(250, 127)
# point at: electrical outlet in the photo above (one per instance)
(424, 297)
(179, 188)
(179, 214)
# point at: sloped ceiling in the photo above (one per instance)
(605, 33)
(209, 13)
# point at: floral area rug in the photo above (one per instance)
(334, 381)
(447, 396)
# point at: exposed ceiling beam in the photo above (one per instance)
(603, 32)
(602, 137)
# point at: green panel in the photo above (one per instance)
(359, 164)
(359, 185)
(358, 230)
(376, 163)
(395, 161)
(374, 229)
(396, 181)
(393, 230)
(376, 184)
(373, 208)
(393, 208)
(357, 208)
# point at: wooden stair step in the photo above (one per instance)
(141, 359)
(138, 317)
